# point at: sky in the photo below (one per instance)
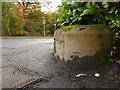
(53, 5)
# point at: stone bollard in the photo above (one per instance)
(83, 47)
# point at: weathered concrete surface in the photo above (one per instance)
(38, 59)
(59, 44)
(80, 45)
(13, 77)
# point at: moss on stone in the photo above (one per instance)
(67, 28)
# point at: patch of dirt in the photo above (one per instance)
(109, 77)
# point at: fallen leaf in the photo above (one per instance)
(80, 75)
(118, 61)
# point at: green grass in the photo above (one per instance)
(22, 37)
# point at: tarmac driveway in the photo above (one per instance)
(38, 58)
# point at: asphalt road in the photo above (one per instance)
(36, 55)
(14, 43)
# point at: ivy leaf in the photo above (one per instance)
(117, 18)
(79, 18)
(109, 17)
(80, 9)
(105, 4)
(88, 5)
(74, 20)
(87, 11)
(96, 6)
(118, 21)
(71, 18)
(113, 8)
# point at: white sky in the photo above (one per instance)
(53, 5)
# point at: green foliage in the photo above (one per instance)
(49, 22)
(25, 18)
(33, 24)
(11, 23)
(0, 11)
(86, 13)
